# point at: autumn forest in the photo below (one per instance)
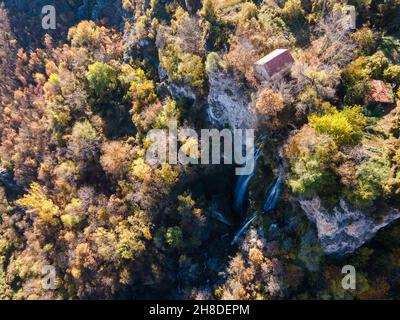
(83, 83)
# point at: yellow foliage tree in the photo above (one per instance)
(344, 126)
(37, 202)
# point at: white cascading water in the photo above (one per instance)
(242, 185)
(243, 229)
(272, 196)
(270, 203)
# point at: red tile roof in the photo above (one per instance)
(276, 61)
(380, 92)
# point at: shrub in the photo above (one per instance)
(344, 126)
(311, 177)
(312, 173)
(376, 64)
(169, 112)
(366, 67)
(371, 176)
(293, 11)
(212, 62)
(392, 74)
(191, 70)
(248, 11)
(357, 92)
(217, 29)
(86, 33)
(271, 104)
(365, 38)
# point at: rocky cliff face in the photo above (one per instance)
(344, 230)
(228, 102)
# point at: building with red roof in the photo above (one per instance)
(275, 64)
(380, 93)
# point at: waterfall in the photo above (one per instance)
(240, 191)
(242, 185)
(273, 195)
(243, 229)
(271, 200)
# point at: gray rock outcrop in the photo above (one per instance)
(344, 230)
(228, 102)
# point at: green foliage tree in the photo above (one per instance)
(312, 178)
(371, 179)
(174, 237)
(392, 74)
(185, 68)
(73, 214)
(102, 80)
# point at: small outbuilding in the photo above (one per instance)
(274, 65)
(380, 93)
